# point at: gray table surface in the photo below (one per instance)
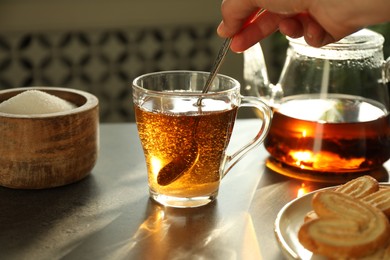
(109, 215)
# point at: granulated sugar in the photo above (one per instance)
(35, 102)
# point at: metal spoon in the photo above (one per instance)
(217, 64)
(187, 158)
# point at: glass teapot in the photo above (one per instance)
(331, 105)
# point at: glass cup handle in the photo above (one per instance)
(266, 116)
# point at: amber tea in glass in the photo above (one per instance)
(185, 143)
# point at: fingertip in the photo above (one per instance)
(315, 35)
(236, 45)
(312, 41)
(221, 31)
(291, 27)
(327, 39)
(224, 31)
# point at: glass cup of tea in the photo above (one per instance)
(331, 109)
(185, 133)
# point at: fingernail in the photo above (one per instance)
(221, 29)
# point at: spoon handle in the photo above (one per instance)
(223, 51)
(217, 63)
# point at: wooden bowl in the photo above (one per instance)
(49, 150)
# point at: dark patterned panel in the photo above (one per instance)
(103, 62)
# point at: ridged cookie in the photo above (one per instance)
(380, 254)
(359, 187)
(345, 227)
(310, 216)
(380, 200)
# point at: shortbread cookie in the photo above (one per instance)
(380, 254)
(386, 253)
(345, 227)
(380, 200)
(310, 216)
(359, 187)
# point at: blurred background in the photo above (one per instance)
(100, 46)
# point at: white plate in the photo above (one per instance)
(288, 222)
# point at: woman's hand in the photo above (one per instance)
(319, 21)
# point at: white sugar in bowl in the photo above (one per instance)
(44, 149)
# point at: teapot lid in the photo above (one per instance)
(354, 46)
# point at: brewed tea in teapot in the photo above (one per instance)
(331, 106)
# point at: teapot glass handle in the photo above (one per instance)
(255, 73)
(256, 82)
(386, 71)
